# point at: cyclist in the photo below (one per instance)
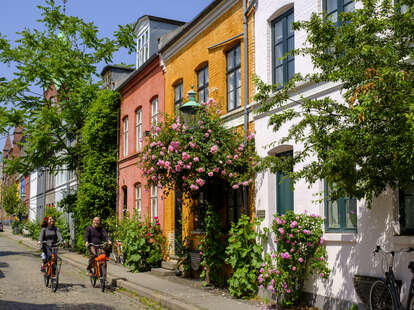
(94, 234)
(50, 234)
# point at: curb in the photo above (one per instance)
(165, 300)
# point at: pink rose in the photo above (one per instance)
(235, 186)
(210, 174)
(214, 149)
(200, 170)
(236, 157)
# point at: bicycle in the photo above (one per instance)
(98, 270)
(52, 268)
(117, 252)
(384, 293)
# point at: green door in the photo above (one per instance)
(284, 192)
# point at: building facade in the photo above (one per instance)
(351, 229)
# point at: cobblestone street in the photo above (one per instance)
(21, 285)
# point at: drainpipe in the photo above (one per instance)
(117, 161)
(246, 93)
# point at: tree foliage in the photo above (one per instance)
(362, 142)
(11, 201)
(60, 61)
(96, 194)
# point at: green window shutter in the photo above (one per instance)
(284, 193)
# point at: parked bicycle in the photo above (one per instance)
(52, 268)
(117, 252)
(384, 293)
(98, 270)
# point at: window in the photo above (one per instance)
(154, 113)
(341, 214)
(178, 97)
(125, 200)
(202, 84)
(334, 8)
(126, 136)
(139, 130)
(233, 78)
(407, 210)
(138, 200)
(142, 48)
(284, 192)
(154, 201)
(283, 42)
(234, 206)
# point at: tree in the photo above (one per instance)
(11, 201)
(54, 86)
(96, 194)
(364, 142)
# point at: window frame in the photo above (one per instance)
(154, 201)
(143, 47)
(125, 133)
(236, 69)
(204, 86)
(285, 46)
(154, 116)
(341, 203)
(279, 176)
(138, 119)
(138, 199)
(340, 5)
(125, 200)
(178, 101)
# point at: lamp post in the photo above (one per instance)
(190, 108)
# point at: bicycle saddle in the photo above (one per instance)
(411, 266)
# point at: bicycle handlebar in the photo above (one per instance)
(53, 245)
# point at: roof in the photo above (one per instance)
(7, 145)
(122, 67)
(136, 72)
(188, 26)
(159, 19)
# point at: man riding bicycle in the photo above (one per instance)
(94, 234)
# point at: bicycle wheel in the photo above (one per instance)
(46, 276)
(54, 280)
(102, 272)
(115, 254)
(380, 297)
(92, 276)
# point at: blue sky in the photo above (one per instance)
(16, 15)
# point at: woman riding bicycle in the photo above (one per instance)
(49, 235)
(94, 234)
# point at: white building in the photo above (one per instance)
(350, 238)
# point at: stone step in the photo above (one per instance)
(170, 265)
(162, 272)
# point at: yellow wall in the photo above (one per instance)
(183, 66)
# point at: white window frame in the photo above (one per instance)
(154, 112)
(143, 47)
(139, 130)
(154, 201)
(138, 199)
(125, 135)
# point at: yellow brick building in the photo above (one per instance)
(207, 53)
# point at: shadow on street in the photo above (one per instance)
(13, 305)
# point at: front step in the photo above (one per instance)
(170, 265)
(162, 272)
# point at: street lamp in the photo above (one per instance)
(190, 108)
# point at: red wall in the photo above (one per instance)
(138, 93)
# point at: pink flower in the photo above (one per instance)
(306, 232)
(174, 126)
(214, 149)
(193, 187)
(288, 290)
(154, 178)
(206, 135)
(261, 270)
(170, 148)
(200, 170)
(223, 172)
(153, 144)
(210, 174)
(245, 183)
(200, 182)
(177, 168)
(278, 221)
(201, 253)
(153, 157)
(293, 268)
(230, 174)
(235, 186)
(149, 234)
(216, 170)
(157, 129)
(308, 244)
(209, 131)
(185, 156)
(300, 260)
(322, 241)
(229, 162)
(293, 224)
(192, 145)
(285, 255)
(236, 157)
(281, 231)
(251, 136)
(292, 250)
(322, 274)
(290, 236)
(184, 177)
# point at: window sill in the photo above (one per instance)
(340, 237)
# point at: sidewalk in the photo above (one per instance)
(169, 294)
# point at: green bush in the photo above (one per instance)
(244, 254)
(19, 225)
(34, 229)
(143, 243)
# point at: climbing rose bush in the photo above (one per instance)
(300, 253)
(176, 156)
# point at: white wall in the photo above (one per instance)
(349, 253)
(32, 196)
